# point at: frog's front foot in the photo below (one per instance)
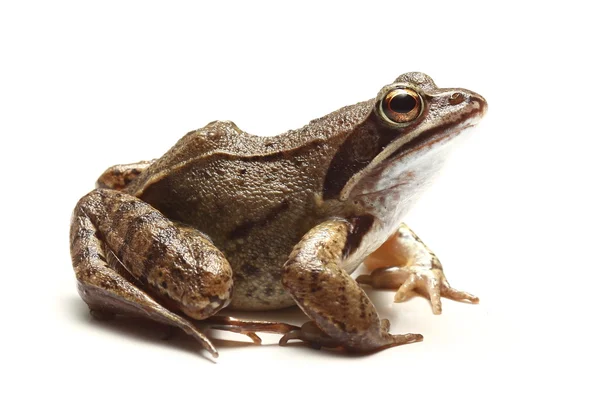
(425, 280)
(419, 270)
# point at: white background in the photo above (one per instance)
(514, 217)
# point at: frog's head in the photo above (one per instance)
(413, 106)
(400, 137)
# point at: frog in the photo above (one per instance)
(227, 220)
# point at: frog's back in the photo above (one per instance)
(222, 176)
(223, 139)
(226, 168)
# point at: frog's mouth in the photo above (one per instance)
(435, 137)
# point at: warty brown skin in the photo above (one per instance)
(227, 216)
(255, 197)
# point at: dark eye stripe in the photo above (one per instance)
(370, 139)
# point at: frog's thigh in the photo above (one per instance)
(405, 263)
(177, 265)
(119, 176)
(331, 298)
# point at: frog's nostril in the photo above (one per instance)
(456, 98)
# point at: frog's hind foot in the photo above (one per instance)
(310, 334)
(245, 327)
(316, 338)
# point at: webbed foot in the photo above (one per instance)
(316, 338)
(248, 328)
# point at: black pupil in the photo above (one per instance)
(402, 103)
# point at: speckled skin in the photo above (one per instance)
(234, 193)
(307, 205)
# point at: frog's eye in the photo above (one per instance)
(401, 105)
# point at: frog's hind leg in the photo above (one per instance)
(342, 314)
(158, 260)
(107, 293)
(119, 176)
(405, 263)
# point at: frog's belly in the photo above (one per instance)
(257, 271)
(257, 285)
(259, 296)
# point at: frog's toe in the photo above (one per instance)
(246, 327)
(310, 334)
(406, 288)
(406, 338)
(458, 295)
(434, 284)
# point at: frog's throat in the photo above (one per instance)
(422, 140)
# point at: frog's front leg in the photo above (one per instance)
(405, 263)
(162, 266)
(331, 298)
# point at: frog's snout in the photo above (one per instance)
(478, 102)
(473, 106)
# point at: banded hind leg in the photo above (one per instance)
(130, 259)
(164, 269)
(405, 263)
